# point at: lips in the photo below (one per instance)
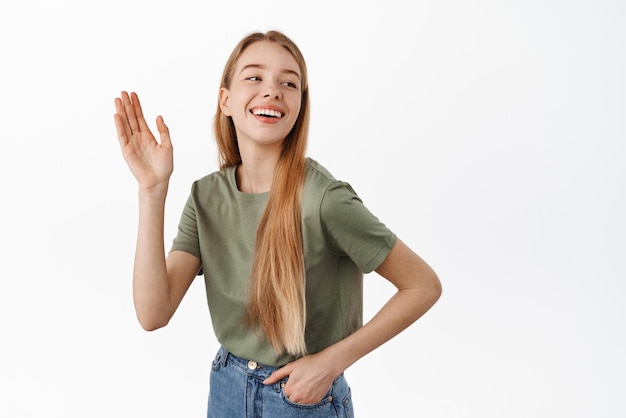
(267, 112)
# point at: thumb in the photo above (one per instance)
(164, 132)
(277, 375)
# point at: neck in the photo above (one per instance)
(256, 174)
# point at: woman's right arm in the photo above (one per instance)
(159, 284)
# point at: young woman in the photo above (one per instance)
(282, 245)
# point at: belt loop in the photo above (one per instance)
(223, 356)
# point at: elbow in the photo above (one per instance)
(151, 323)
(152, 315)
(432, 288)
(437, 288)
(151, 327)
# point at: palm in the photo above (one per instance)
(150, 162)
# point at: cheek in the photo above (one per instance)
(296, 107)
(238, 106)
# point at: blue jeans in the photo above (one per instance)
(237, 391)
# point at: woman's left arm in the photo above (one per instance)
(418, 290)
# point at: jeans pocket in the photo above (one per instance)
(326, 400)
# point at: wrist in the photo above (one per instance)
(157, 191)
(337, 359)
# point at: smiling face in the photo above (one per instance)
(264, 96)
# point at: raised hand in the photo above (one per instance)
(150, 162)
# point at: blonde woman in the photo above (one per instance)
(281, 243)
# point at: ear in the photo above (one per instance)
(224, 99)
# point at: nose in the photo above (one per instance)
(272, 91)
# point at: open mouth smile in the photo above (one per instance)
(266, 112)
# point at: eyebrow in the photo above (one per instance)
(260, 66)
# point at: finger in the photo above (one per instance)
(277, 375)
(130, 112)
(141, 121)
(121, 122)
(164, 132)
(120, 125)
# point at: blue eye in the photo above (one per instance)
(254, 78)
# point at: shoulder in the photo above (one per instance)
(213, 182)
(323, 192)
(318, 172)
(319, 180)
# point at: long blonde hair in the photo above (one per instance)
(276, 301)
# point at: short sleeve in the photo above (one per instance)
(352, 230)
(187, 237)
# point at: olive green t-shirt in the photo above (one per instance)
(342, 240)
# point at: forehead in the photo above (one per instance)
(267, 54)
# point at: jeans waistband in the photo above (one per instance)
(251, 367)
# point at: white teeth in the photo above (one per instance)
(267, 112)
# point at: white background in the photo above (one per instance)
(489, 135)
